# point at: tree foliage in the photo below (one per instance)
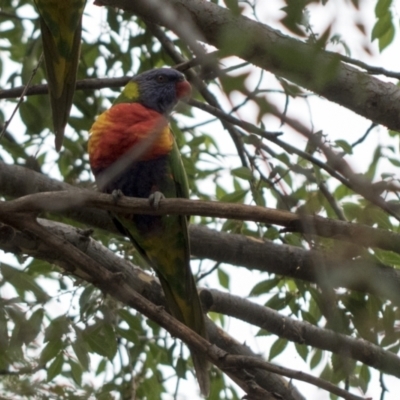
(317, 269)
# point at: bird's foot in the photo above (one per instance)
(155, 198)
(117, 194)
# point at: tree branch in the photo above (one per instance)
(358, 274)
(148, 286)
(363, 235)
(304, 333)
(299, 62)
(87, 259)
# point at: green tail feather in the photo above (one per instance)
(189, 311)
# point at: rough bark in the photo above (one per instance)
(313, 266)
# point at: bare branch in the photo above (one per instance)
(148, 286)
(358, 274)
(304, 333)
(81, 256)
(77, 198)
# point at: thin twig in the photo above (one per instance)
(243, 362)
(363, 137)
(369, 68)
(21, 99)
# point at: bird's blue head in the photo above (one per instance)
(158, 89)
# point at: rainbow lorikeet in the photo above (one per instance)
(61, 27)
(132, 150)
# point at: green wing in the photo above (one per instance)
(167, 249)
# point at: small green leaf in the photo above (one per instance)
(277, 348)
(76, 372)
(81, 353)
(231, 83)
(243, 173)
(302, 350)
(276, 302)
(345, 146)
(84, 299)
(102, 340)
(223, 278)
(316, 358)
(381, 26)
(382, 7)
(263, 332)
(235, 197)
(233, 5)
(101, 367)
(386, 38)
(181, 368)
(51, 349)
(34, 326)
(365, 377)
(264, 287)
(57, 328)
(55, 367)
(132, 320)
(128, 334)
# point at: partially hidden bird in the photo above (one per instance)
(132, 151)
(61, 29)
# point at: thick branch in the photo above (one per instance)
(71, 199)
(80, 255)
(304, 333)
(148, 286)
(317, 70)
(240, 250)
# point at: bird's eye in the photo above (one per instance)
(161, 78)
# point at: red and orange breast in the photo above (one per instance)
(126, 126)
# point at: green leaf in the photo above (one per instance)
(128, 334)
(388, 257)
(232, 83)
(57, 328)
(132, 320)
(243, 173)
(382, 7)
(181, 368)
(276, 302)
(55, 367)
(302, 350)
(23, 282)
(234, 197)
(102, 340)
(84, 299)
(345, 146)
(233, 5)
(76, 372)
(316, 358)
(81, 352)
(263, 332)
(34, 325)
(101, 367)
(386, 38)
(223, 278)
(264, 286)
(381, 26)
(365, 377)
(277, 348)
(51, 349)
